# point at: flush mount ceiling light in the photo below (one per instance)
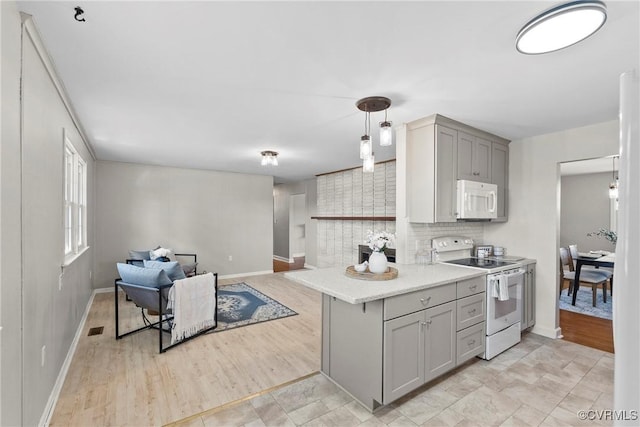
(561, 26)
(269, 158)
(370, 105)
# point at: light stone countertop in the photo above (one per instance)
(411, 277)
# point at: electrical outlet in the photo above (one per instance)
(43, 355)
(230, 258)
(60, 282)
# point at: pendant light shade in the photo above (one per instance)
(369, 164)
(561, 26)
(365, 147)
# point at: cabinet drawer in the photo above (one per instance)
(408, 303)
(470, 310)
(471, 286)
(470, 343)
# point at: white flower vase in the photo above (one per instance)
(377, 262)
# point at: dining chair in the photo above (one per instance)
(587, 277)
(605, 271)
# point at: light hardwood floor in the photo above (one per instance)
(126, 382)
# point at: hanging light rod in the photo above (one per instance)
(561, 26)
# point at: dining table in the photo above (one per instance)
(597, 259)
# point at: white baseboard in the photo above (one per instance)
(298, 255)
(310, 267)
(554, 333)
(57, 387)
(254, 273)
(283, 259)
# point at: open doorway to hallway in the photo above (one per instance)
(297, 264)
(585, 208)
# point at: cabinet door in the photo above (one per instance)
(531, 295)
(482, 160)
(474, 158)
(403, 355)
(500, 176)
(465, 156)
(446, 173)
(440, 340)
(529, 298)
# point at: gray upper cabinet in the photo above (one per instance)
(440, 151)
(474, 158)
(500, 176)
(431, 172)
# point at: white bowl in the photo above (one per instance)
(360, 268)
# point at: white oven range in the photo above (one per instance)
(503, 314)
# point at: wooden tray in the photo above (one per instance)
(391, 273)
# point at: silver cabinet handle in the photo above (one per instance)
(471, 342)
(425, 301)
(472, 311)
(473, 287)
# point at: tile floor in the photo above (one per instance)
(538, 382)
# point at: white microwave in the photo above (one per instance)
(477, 200)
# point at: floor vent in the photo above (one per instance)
(96, 331)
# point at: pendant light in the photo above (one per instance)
(366, 147)
(386, 132)
(613, 186)
(368, 105)
(561, 26)
(369, 164)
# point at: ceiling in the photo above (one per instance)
(210, 84)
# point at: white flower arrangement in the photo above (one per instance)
(378, 241)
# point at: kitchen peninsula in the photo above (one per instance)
(382, 339)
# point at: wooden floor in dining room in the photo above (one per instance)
(126, 382)
(591, 331)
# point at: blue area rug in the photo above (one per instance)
(583, 303)
(240, 305)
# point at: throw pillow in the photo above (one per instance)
(150, 277)
(139, 255)
(172, 268)
(159, 252)
(189, 269)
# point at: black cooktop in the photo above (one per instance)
(480, 262)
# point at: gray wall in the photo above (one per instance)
(585, 206)
(37, 313)
(10, 246)
(533, 229)
(213, 214)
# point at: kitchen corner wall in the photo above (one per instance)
(352, 193)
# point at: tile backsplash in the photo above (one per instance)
(353, 193)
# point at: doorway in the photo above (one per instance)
(585, 209)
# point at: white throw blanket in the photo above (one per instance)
(193, 301)
(500, 287)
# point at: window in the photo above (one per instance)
(75, 201)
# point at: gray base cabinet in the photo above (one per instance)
(381, 350)
(529, 297)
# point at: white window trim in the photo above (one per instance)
(74, 203)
